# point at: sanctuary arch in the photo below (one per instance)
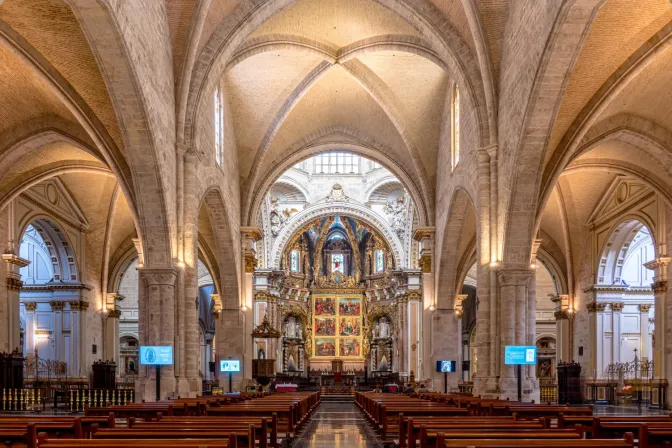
(338, 271)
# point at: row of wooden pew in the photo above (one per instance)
(437, 420)
(259, 420)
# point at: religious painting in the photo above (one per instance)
(544, 368)
(325, 326)
(325, 347)
(350, 347)
(325, 306)
(350, 326)
(349, 307)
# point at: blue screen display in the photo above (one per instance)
(520, 354)
(229, 365)
(446, 366)
(156, 355)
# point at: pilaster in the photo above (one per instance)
(662, 340)
(14, 263)
(425, 238)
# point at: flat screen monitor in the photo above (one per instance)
(446, 366)
(156, 355)
(229, 365)
(520, 354)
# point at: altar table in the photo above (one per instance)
(285, 387)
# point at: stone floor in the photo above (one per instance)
(337, 424)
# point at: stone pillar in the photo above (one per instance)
(249, 237)
(644, 331)
(13, 265)
(425, 238)
(187, 319)
(563, 351)
(662, 355)
(57, 308)
(515, 287)
(616, 318)
(594, 332)
(30, 326)
(158, 322)
(112, 337)
(78, 310)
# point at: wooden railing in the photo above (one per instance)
(548, 392)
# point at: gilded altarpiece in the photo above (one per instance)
(338, 325)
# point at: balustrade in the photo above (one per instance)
(78, 399)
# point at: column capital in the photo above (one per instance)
(251, 233)
(483, 157)
(159, 277)
(593, 307)
(79, 305)
(137, 242)
(424, 233)
(617, 307)
(561, 315)
(492, 150)
(114, 314)
(659, 287)
(30, 306)
(514, 277)
(57, 305)
(14, 283)
(644, 307)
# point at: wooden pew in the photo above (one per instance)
(242, 438)
(419, 420)
(123, 443)
(627, 441)
(429, 438)
(653, 434)
(85, 422)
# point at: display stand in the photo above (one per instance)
(158, 382)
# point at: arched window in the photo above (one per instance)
(219, 127)
(380, 261)
(294, 261)
(455, 116)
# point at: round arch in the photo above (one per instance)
(257, 194)
(352, 210)
(66, 268)
(621, 234)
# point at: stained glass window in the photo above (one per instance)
(337, 163)
(294, 261)
(380, 261)
(337, 263)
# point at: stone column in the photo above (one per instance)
(662, 358)
(57, 308)
(14, 263)
(30, 326)
(616, 317)
(514, 285)
(425, 238)
(594, 332)
(112, 337)
(644, 330)
(159, 325)
(78, 310)
(249, 237)
(563, 351)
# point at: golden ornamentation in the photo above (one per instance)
(57, 305)
(266, 330)
(79, 305)
(617, 306)
(336, 280)
(659, 287)
(14, 284)
(250, 262)
(304, 314)
(644, 307)
(30, 306)
(426, 264)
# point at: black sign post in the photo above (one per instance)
(158, 382)
(520, 384)
(445, 382)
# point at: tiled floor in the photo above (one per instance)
(337, 425)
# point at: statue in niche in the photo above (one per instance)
(291, 328)
(384, 331)
(261, 354)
